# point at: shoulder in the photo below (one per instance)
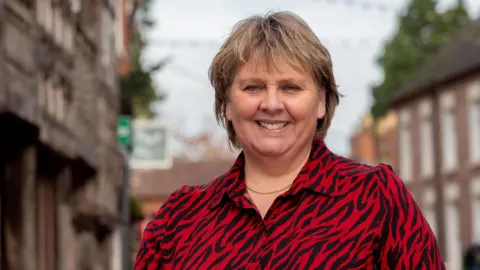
(186, 202)
(348, 167)
(187, 194)
(351, 174)
(187, 197)
(378, 184)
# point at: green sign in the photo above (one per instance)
(150, 145)
(124, 130)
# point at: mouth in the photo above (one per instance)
(272, 126)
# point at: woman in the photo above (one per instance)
(287, 202)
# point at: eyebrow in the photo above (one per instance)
(250, 80)
(281, 81)
(293, 81)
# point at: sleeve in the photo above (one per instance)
(406, 239)
(149, 256)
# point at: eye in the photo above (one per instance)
(255, 87)
(291, 87)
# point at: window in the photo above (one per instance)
(52, 96)
(88, 18)
(51, 17)
(42, 91)
(475, 195)
(405, 146)
(449, 143)
(427, 162)
(476, 219)
(48, 16)
(40, 12)
(45, 15)
(107, 31)
(428, 208)
(426, 139)
(102, 112)
(76, 6)
(405, 154)
(120, 21)
(474, 122)
(60, 102)
(454, 247)
(68, 37)
(58, 24)
(111, 68)
(429, 213)
(452, 223)
(449, 138)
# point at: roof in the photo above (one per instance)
(152, 183)
(457, 57)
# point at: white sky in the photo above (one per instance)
(354, 37)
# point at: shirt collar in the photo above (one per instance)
(318, 175)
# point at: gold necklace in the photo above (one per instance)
(270, 192)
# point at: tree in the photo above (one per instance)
(137, 87)
(422, 30)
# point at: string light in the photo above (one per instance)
(343, 42)
(364, 5)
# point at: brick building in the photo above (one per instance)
(439, 141)
(362, 142)
(372, 144)
(60, 169)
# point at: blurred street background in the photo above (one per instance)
(106, 108)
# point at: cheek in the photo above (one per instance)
(243, 108)
(304, 111)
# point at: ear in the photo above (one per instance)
(228, 111)
(321, 106)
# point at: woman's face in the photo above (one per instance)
(274, 110)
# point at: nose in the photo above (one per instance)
(272, 101)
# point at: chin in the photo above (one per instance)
(271, 149)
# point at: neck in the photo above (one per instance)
(265, 171)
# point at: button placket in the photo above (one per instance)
(254, 262)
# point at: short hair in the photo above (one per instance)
(275, 36)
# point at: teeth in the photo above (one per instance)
(273, 126)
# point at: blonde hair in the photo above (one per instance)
(275, 36)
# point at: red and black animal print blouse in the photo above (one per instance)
(338, 214)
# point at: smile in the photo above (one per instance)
(271, 126)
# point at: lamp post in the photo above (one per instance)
(124, 134)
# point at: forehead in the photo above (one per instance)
(280, 68)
